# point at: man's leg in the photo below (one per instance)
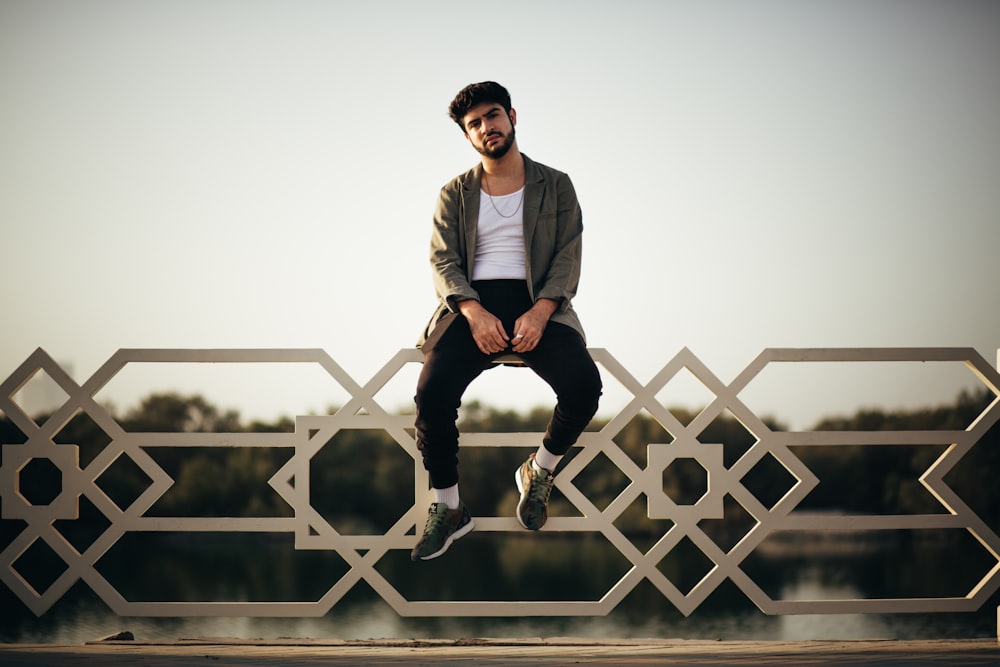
(450, 365)
(562, 360)
(449, 368)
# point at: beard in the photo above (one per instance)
(499, 150)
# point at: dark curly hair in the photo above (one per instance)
(477, 93)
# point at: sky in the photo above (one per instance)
(251, 174)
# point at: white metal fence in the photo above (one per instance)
(363, 552)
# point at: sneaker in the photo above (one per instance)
(534, 487)
(443, 527)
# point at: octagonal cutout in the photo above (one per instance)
(39, 482)
(685, 481)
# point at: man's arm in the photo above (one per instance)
(448, 254)
(449, 258)
(565, 255)
(561, 256)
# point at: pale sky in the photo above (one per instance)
(241, 174)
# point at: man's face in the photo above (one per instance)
(489, 129)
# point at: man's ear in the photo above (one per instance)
(513, 117)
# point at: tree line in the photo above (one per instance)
(362, 481)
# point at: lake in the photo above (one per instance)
(497, 566)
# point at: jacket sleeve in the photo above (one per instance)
(563, 274)
(449, 255)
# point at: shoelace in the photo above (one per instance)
(433, 521)
(541, 487)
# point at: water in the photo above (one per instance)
(497, 567)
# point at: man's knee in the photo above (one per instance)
(432, 402)
(435, 390)
(583, 389)
(589, 380)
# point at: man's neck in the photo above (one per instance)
(510, 166)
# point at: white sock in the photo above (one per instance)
(448, 496)
(546, 459)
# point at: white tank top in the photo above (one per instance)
(500, 239)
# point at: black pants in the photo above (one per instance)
(452, 361)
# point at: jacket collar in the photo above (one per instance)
(534, 191)
(472, 179)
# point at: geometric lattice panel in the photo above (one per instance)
(46, 517)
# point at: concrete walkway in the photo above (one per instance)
(497, 652)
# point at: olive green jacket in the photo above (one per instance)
(553, 228)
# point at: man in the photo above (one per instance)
(505, 254)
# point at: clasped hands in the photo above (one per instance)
(488, 332)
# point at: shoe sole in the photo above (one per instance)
(520, 489)
(461, 532)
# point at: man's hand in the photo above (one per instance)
(528, 328)
(487, 329)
